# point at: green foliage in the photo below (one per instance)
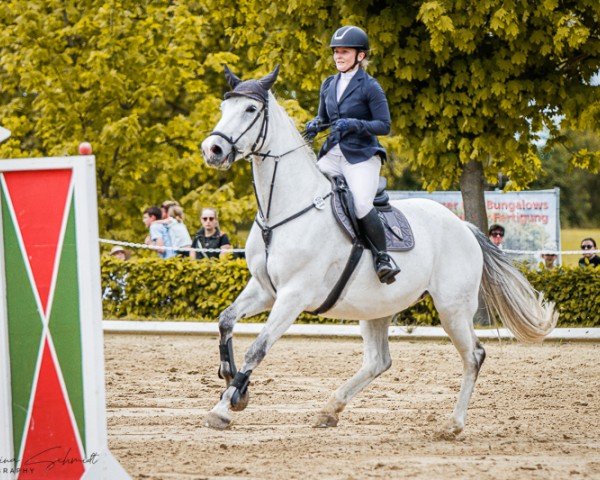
(423, 313)
(174, 289)
(465, 80)
(562, 167)
(151, 288)
(575, 292)
(142, 81)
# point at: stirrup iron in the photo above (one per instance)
(386, 268)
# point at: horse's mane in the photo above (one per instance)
(277, 109)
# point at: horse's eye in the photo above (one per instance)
(251, 109)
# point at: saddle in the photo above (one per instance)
(398, 234)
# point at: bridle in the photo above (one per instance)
(266, 229)
(262, 134)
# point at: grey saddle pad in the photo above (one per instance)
(398, 234)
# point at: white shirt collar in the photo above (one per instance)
(347, 76)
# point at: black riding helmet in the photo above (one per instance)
(351, 37)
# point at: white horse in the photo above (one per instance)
(294, 270)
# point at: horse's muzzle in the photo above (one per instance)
(217, 153)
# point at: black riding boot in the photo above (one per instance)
(385, 266)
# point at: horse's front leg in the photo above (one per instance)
(252, 301)
(285, 311)
(376, 360)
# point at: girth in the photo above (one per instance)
(336, 291)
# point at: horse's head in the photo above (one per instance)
(243, 127)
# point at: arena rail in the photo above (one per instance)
(319, 330)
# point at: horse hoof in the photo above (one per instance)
(240, 402)
(216, 422)
(450, 431)
(326, 420)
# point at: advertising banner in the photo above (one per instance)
(530, 218)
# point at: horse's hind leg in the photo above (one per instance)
(252, 301)
(458, 324)
(376, 360)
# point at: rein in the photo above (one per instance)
(265, 228)
(261, 137)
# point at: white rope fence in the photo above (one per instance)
(241, 250)
(549, 252)
(154, 247)
(161, 248)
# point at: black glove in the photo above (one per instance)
(347, 125)
(312, 128)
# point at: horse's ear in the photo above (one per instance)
(268, 81)
(232, 79)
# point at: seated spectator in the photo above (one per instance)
(159, 233)
(589, 258)
(210, 236)
(496, 234)
(549, 256)
(180, 236)
(120, 253)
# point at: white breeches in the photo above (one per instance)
(362, 178)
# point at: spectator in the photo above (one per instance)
(180, 236)
(164, 208)
(589, 258)
(549, 256)
(169, 221)
(210, 236)
(496, 235)
(159, 233)
(120, 253)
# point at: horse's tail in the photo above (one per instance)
(507, 292)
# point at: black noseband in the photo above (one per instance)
(262, 134)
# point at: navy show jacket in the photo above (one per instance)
(363, 99)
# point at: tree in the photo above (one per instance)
(579, 191)
(140, 80)
(469, 83)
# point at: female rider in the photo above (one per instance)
(354, 106)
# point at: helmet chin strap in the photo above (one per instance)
(356, 62)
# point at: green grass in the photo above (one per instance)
(570, 239)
